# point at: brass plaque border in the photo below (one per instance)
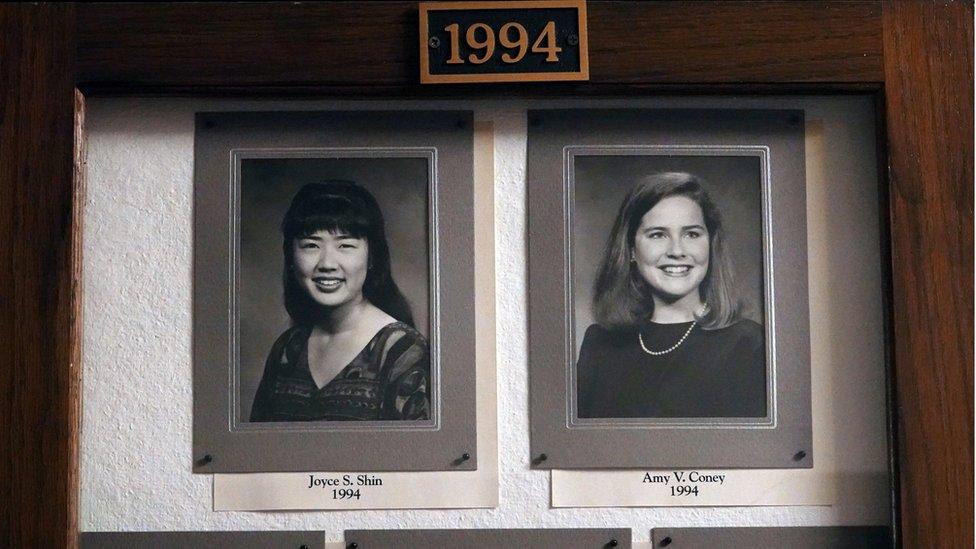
(579, 5)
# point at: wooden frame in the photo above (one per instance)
(914, 56)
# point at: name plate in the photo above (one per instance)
(703, 488)
(503, 41)
(350, 490)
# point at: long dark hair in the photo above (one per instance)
(621, 296)
(340, 207)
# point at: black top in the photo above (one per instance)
(714, 373)
(388, 380)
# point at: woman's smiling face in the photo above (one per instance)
(331, 267)
(671, 247)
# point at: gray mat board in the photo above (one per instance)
(334, 446)
(201, 540)
(636, 445)
(543, 538)
(812, 537)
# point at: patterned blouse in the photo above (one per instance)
(388, 380)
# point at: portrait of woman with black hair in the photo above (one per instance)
(668, 340)
(352, 351)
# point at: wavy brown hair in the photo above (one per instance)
(622, 298)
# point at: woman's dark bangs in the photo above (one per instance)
(335, 214)
(346, 223)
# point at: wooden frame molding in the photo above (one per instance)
(915, 56)
(189, 47)
(40, 251)
(929, 93)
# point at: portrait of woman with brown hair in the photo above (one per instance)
(668, 341)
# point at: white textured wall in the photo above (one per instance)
(136, 431)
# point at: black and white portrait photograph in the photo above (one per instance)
(668, 289)
(325, 246)
(668, 286)
(332, 316)
(334, 290)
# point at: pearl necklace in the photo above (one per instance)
(640, 338)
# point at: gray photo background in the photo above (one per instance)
(400, 186)
(602, 182)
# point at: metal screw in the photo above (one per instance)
(434, 42)
(541, 458)
(799, 455)
(303, 546)
(465, 456)
(572, 40)
(666, 541)
(353, 545)
(613, 543)
(206, 459)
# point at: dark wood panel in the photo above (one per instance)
(352, 46)
(39, 279)
(636, 48)
(718, 42)
(929, 95)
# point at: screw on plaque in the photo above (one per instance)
(434, 42)
(794, 120)
(303, 546)
(461, 124)
(205, 460)
(535, 121)
(540, 459)
(572, 40)
(666, 541)
(799, 455)
(464, 457)
(352, 545)
(612, 543)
